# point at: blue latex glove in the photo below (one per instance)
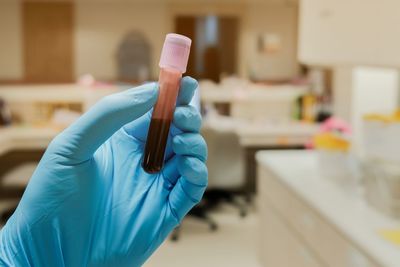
(90, 203)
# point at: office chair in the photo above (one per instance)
(226, 168)
(226, 179)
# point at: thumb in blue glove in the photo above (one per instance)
(90, 203)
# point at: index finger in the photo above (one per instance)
(186, 91)
(139, 127)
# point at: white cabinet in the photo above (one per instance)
(293, 234)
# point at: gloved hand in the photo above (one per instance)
(90, 203)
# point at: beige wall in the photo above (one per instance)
(279, 19)
(100, 26)
(350, 32)
(11, 65)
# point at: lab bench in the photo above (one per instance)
(27, 143)
(32, 108)
(308, 221)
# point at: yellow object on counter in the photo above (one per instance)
(391, 118)
(397, 115)
(308, 111)
(331, 141)
(391, 235)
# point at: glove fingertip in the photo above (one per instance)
(186, 92)
(187, 118)
(194, 170)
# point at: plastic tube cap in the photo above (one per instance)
(175, 52)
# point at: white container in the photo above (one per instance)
(339, 167)
(381, 140)
(382, 186)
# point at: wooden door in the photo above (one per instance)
(216, 58)
(48, 41)
(228, 44)
(186, 25)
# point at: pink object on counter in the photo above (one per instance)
(335, 124)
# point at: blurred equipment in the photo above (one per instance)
(133, 58)
(382, 160)
(382, 186)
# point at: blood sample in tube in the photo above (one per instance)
(173, 62)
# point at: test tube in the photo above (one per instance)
(173, 62)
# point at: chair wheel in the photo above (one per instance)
(243, 213)
(213, 227)
(174, 238)
(248, 199)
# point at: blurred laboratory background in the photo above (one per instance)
(300, 104)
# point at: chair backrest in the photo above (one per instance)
(225, 159)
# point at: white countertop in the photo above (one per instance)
(348, 213)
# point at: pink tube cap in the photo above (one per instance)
(175, 52)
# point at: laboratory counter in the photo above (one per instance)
(249, 134)
(315, 221)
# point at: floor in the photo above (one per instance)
(233, 244)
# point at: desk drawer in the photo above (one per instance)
(333, 248)
(279, 246)
(320, 235)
